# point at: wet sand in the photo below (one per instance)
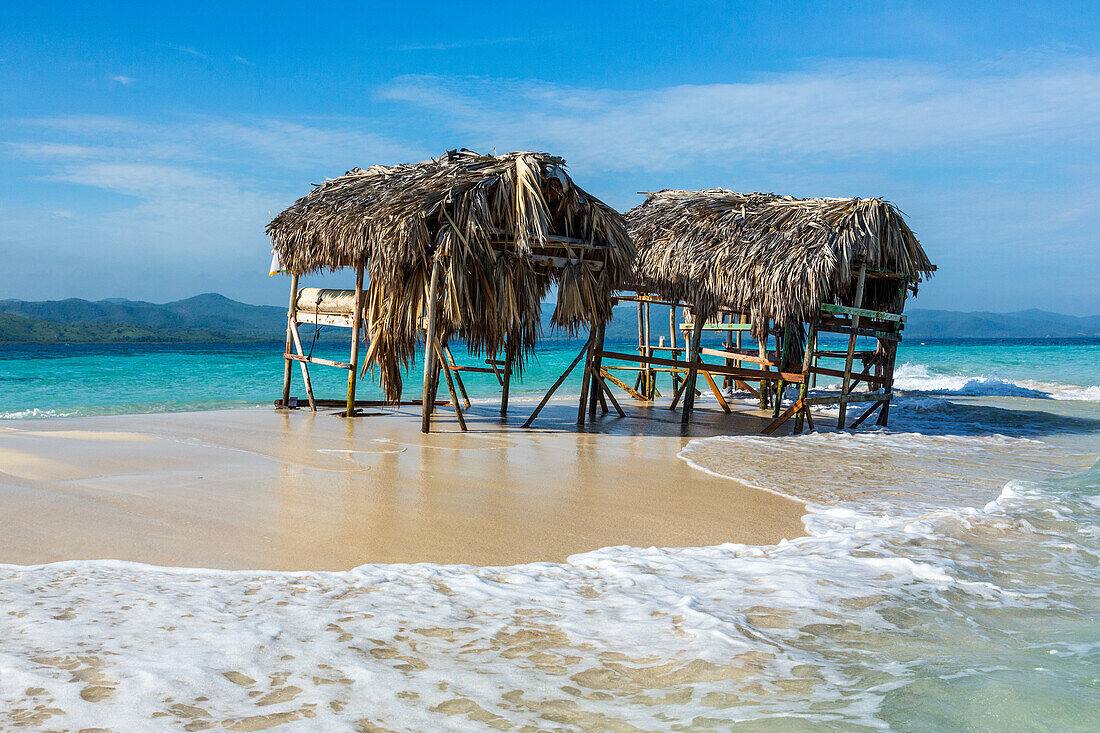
(294, 490)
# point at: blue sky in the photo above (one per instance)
(144, 146)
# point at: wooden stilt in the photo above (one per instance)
(888, 386)
(846, 385)
(291, 313)
(639, 383)
(807, 365)
(506, 378)
(430, 360)
(762, 349)
(554, 387)
(693, 357)
(650, 387)
(594, 373)
(357, 317)
(586, 378)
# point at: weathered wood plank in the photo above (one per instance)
(318, 360)
(862, 312)
(848, 398)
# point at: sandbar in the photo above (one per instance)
(295, 490)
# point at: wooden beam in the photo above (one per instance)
(610, 396)
(717, 392)
(622, 385)
(720, 326)
(546, 397)
(862, 312)
(866, 414)
(737, 356)
(753, 374)
(316, 360)
(784, 417)
(837, 373)
(848, 398)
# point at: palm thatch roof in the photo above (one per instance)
(504, 228)
(770, 256)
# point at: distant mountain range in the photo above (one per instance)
(212, 317)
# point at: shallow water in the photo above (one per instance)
(950, 580)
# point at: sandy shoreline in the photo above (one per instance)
(259, 489)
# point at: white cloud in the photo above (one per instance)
(124, 80)
(842, 111)
(453, 45)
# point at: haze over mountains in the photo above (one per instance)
(213, 317)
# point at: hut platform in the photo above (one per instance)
(297, 489)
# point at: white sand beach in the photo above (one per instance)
(260, 489)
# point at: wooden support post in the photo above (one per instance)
(568, 370)
(506, 379)
(693, 357)
(888, 386)
(762, 349)
(639, 383)
(430, 360)
(291, 314)
(650, 386)
(672, 333)
(846, 385)
(594, 372)
(807, 364)
(586, 377)
(357, 318)
(891, 348)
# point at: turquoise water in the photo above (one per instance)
(91, 380)
(949, 579)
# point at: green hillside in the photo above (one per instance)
(19, 330)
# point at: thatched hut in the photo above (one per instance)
(464, 246)
(780, 261)
(773, 257)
